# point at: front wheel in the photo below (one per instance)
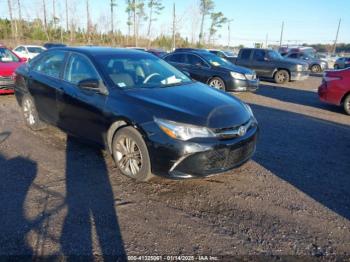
(347, 104)
(130, 154)
(282, 76)
(30, 114)
(217, 83)
(316, 69)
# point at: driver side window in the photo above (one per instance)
(195, 61)
(79, 68)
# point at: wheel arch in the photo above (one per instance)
(344, 96)
(117, 125)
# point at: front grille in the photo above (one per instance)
(7, 81)
(219, 160)
(227, 133)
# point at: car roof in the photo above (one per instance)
(98, 50)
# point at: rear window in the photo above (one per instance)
(176, 58)
(245, 54)
(6, 56)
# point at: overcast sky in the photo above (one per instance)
(311, 21)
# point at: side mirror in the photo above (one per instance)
(266, 59)
(23, 59)
(89, 84)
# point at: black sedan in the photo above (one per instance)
(152, 118)
(210, 69)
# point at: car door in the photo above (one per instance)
(260, 63)
(81, 111)
(43, 82)
(178, 60)
(198, 68)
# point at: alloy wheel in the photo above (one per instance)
(128, 156)
(216, 83)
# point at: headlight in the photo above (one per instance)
(238, 76)
(299, 67)
(182, 131)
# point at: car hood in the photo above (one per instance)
(194, 103)
(7, 69)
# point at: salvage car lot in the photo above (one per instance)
(60, 196)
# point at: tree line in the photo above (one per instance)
(48, 26)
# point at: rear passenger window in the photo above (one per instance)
(293, 56)
(51, 64)
(259, 55)
(245, 55)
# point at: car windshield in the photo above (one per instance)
(35, 50)
(138, 71)
(274, 55)
(6, 56)
(214, 60)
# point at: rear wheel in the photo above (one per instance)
(347, 104)
(30, 114)
(217, 83)
(130, 154)
(316, 69)
(282, 76)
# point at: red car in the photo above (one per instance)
(335, 88)
(9, 62)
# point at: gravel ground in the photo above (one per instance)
(59, 196)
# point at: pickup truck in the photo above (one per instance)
(269, 64)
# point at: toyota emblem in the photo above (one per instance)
(242, 131)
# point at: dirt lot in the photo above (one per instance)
(59, 196)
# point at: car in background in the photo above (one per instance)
(28, 51)
(210, 69)
(9, 62)
(335, 88)
(316, 65)
(269, 64)
(228, 55)
(153, 119)
(342, 62)
(157, 52)
(283, 50)
(53, 45)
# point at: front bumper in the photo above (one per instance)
(199, 158)
(299, 76)
(7, 85)
(236, 85)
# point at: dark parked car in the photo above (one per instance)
(269, 64)
(316, 65)
(228, 55)
(157, 52)
(152, 118)
(53, 45)
(210, 69)
(341, 63)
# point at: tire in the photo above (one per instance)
(30, 114)
(137, 164)
(316, 69)
(346, 104)
(217, 83)
(281, 77)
